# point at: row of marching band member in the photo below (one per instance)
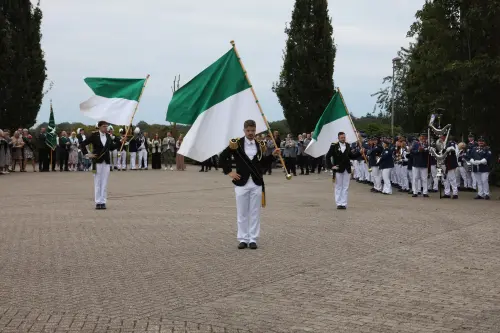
(408, 166)
(138, 147)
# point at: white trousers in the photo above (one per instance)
(463, 175)
(114, 158)
(419, 174)
(451, 181)
(355, 173)
(101, 183)
(248, 205)
(363, 169)
(133, 157)
(386, 176)
(341, 188)
(483, 188)
(143, 156)
(377, 178)
(122, 161)
(404, 178)
(433, 183)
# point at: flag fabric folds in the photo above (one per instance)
(51, 137)
(115, 100)
(215, 103)
(334, 119)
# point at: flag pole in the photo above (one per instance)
(352, 124)
(133, 115)
(288, 175)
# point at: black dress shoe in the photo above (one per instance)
(98, 206)
(426, 195)
(103, 206)
(253, 246)
(478, 197)
(446, 196)
(415, 195)
(242, 245)
(455, 197)
(339, 207)
(487, 197)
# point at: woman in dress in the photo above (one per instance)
(156, 152)
(3, 148)
(28, 151)
(73, 152)
(179, 159)
(17, 151)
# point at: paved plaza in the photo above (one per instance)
(163, 258)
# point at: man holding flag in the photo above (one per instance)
(336, 122)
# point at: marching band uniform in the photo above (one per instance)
(101, 146)
(249, 189)
(133, 147)
(450, 166)
(114, 152)
(122, 159)
(462, 166)
(480, 157)
(471, 145)
(373, 155)
(404, 169)
(341, 154)
(420, 153)
(433, 181)
(386, 164)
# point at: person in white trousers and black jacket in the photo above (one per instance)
(102, 144)
(249, 156)
(342, 155)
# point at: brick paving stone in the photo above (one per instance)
(162, 257)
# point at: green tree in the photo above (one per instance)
(24, 76)
(305, 84)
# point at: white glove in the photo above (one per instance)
(483, 161)
(335, 167)
(471, 161)
(449, 149)
(126, 143)
(475, 162)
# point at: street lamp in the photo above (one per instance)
(396, 62)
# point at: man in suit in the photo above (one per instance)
(342, 155)
(102, 144)
(249, 183)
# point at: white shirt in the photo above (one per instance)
(250, 148)
(103, 138)
(342, 146)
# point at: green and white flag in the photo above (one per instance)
(216, 103)
(115, 100)
(51, 137)
(334, 119)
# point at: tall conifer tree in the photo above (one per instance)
(305, 85)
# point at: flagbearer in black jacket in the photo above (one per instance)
(102, 144)
(342, 155)
(248, 155)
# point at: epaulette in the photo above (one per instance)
(233, 143)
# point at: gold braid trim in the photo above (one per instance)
(233, 144)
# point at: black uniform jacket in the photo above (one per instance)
(245, 167)
(340, 159)
(101, 151)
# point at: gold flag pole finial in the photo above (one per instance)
(288, 175)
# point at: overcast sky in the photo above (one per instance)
(132, 38)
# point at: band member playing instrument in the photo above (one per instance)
(471, 146)
(420, 154)
(480, 158)
(102, 144)
(341, 154)
(249, 184)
